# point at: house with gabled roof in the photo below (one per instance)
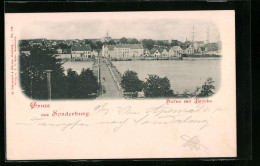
(160, 52)
(189, 50)
(81, 51)
(155, 52)
(175, 51)
(164, 51)
(146, 52)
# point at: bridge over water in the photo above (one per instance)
(109, 81)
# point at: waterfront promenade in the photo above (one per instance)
(108, 82)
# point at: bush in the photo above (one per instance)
(207, 88)
(157, 87)
(81, 86)
(87, 83)
(130, 82)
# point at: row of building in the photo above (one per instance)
(51, 42)
(130, 51)
(76, 52)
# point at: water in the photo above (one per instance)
(77, 66)
(183, 74)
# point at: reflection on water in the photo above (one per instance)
(77, 66)
(183, 74)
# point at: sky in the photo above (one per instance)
(131, 25)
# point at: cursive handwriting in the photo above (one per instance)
(118, 117)
(163, 109)
(71, 125)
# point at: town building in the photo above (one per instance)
(175, 51)
(81, 51)
(59, 50)
(155, 52)
(94, 53)
(122, 51)
(164, 52)
(160, 52)
(146, 53)
(189, 50)
(77, 52)
(198, 44)
(63, 56)
(25, 50)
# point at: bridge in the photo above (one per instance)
(109, 79)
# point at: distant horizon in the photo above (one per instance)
(159, 25)
(117, 39)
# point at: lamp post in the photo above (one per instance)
(31, 78)
(49, 83)
(99, 75)
(31, 86)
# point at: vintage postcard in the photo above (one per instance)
(120, 85)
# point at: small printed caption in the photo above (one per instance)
(195, 101)
(43, 106)
(13, 48)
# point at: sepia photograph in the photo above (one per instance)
(119, 58)
(120, 85)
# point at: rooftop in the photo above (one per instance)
(132, 46)
(81, 47)
(175, 48)
(110, 47)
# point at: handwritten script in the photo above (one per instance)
(118, 117)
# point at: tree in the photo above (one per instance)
(33, 74)
(134, 41)
(157, 87)
(23, 43)
(63, 46)
(34, 78)
(186, 93)
(99, 45)
(130, 82)
(88, 41)
(185, 45)
(88, 83)
(123, 40)
(207, 88)
(161, 43)
(111, 42)
(176, 43)
(148, 43)
(72, 84)
(92, 44)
